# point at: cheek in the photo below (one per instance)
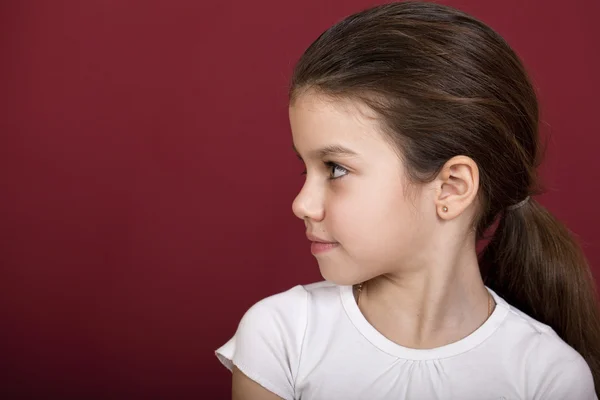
(371, 219)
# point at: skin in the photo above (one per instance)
(244, 388)
(424, 288)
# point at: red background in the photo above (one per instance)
(147, 177)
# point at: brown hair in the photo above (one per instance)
(445, 84)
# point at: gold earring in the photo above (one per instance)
(445, 209)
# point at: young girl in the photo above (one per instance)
(418, 127)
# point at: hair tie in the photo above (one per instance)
(518, 205)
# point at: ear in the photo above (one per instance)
(456, 187)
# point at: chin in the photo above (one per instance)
(337, 274)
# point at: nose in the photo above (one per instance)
(308, 204)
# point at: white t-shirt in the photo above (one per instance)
(312, 342)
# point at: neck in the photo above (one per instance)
(428, 308)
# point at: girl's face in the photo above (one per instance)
(355, 194)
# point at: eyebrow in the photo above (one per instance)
(328, 151)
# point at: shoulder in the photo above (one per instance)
(553, 369)
(557, 371)
(277, 321)
(283, 306)
(288, 310)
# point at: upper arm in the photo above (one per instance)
(264, 353)
(244, 388)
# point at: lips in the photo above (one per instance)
(317, 239)
(319, 245)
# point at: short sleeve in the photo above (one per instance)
(267, 344)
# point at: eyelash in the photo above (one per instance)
(332, 165)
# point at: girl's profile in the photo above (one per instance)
(417, 125)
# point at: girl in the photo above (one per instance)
(418, 127)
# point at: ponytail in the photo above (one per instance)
(534, 263)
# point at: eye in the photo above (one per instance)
(337, 171)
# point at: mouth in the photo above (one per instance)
(321, 247)
(318, 246)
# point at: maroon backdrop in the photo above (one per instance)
(147, 177)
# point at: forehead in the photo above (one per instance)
(317, 117)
